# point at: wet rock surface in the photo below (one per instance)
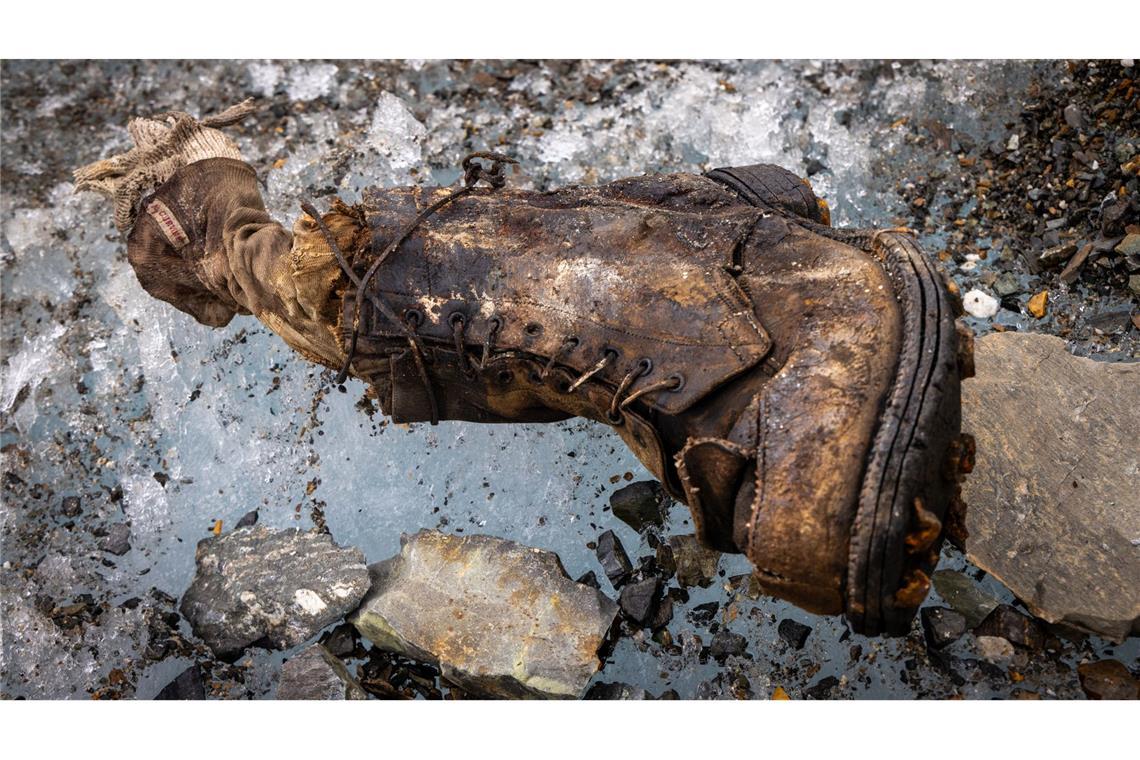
(639, 600)
(1108, 679)
(1012, 626)
(612, 691)
(499, 618)
(695, 565)
(995, 650)
(188, 685)
(1054, 501)
(104, 422)
(794, 632)
(340, 641)
(282, 587)
(118, 539)
(613, 558)
(640, 505)
(317, 674)
(964, 596)
(726, 643)
(942, 626)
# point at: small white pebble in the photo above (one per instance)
(980, 305)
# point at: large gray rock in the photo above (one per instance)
(501, 619)
(1053, 505)
(280, 585)
(317, 674)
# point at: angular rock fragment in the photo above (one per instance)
(1006, 284)
(499, 618)
(1108, 679)
(316, 674)
(188, 685)
(942, 626)
(247, 520)
(589, 578)
(615, 562)
(1012, 626)
(794, 632)
(726, 643)
(1057, 255)
(617, 690)
(664, 614)
(639, 600)
(282, 586)
(72, 506)
(118, 539)
(824, 689)
(696, 565)
(340, 641)
(995, 650)
(964, 596)
(1038, 303)
(703, 614)
(1054, 501)
(1073, 116)
(1130, 245)
(640, 504)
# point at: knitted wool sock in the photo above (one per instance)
(163, 144)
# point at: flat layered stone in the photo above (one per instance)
(276, 587)
(1054, 501)
(499, 618)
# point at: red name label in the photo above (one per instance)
(168, 223)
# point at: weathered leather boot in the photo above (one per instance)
(795, 385)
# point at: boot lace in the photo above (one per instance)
(473, 173)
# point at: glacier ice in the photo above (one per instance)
(148, 417)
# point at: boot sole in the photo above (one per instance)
(912, 476)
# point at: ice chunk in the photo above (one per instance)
(311, 81)
(27, 369)
(265, 77)
(396, 133)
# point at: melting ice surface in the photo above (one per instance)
(154, 419)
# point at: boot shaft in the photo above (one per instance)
(627, 285)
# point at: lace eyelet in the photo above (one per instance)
(645, 364)
(532, 329)
(505, 376)
(617, 418)
(413, 317)
(457, 318)
(680, 381)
